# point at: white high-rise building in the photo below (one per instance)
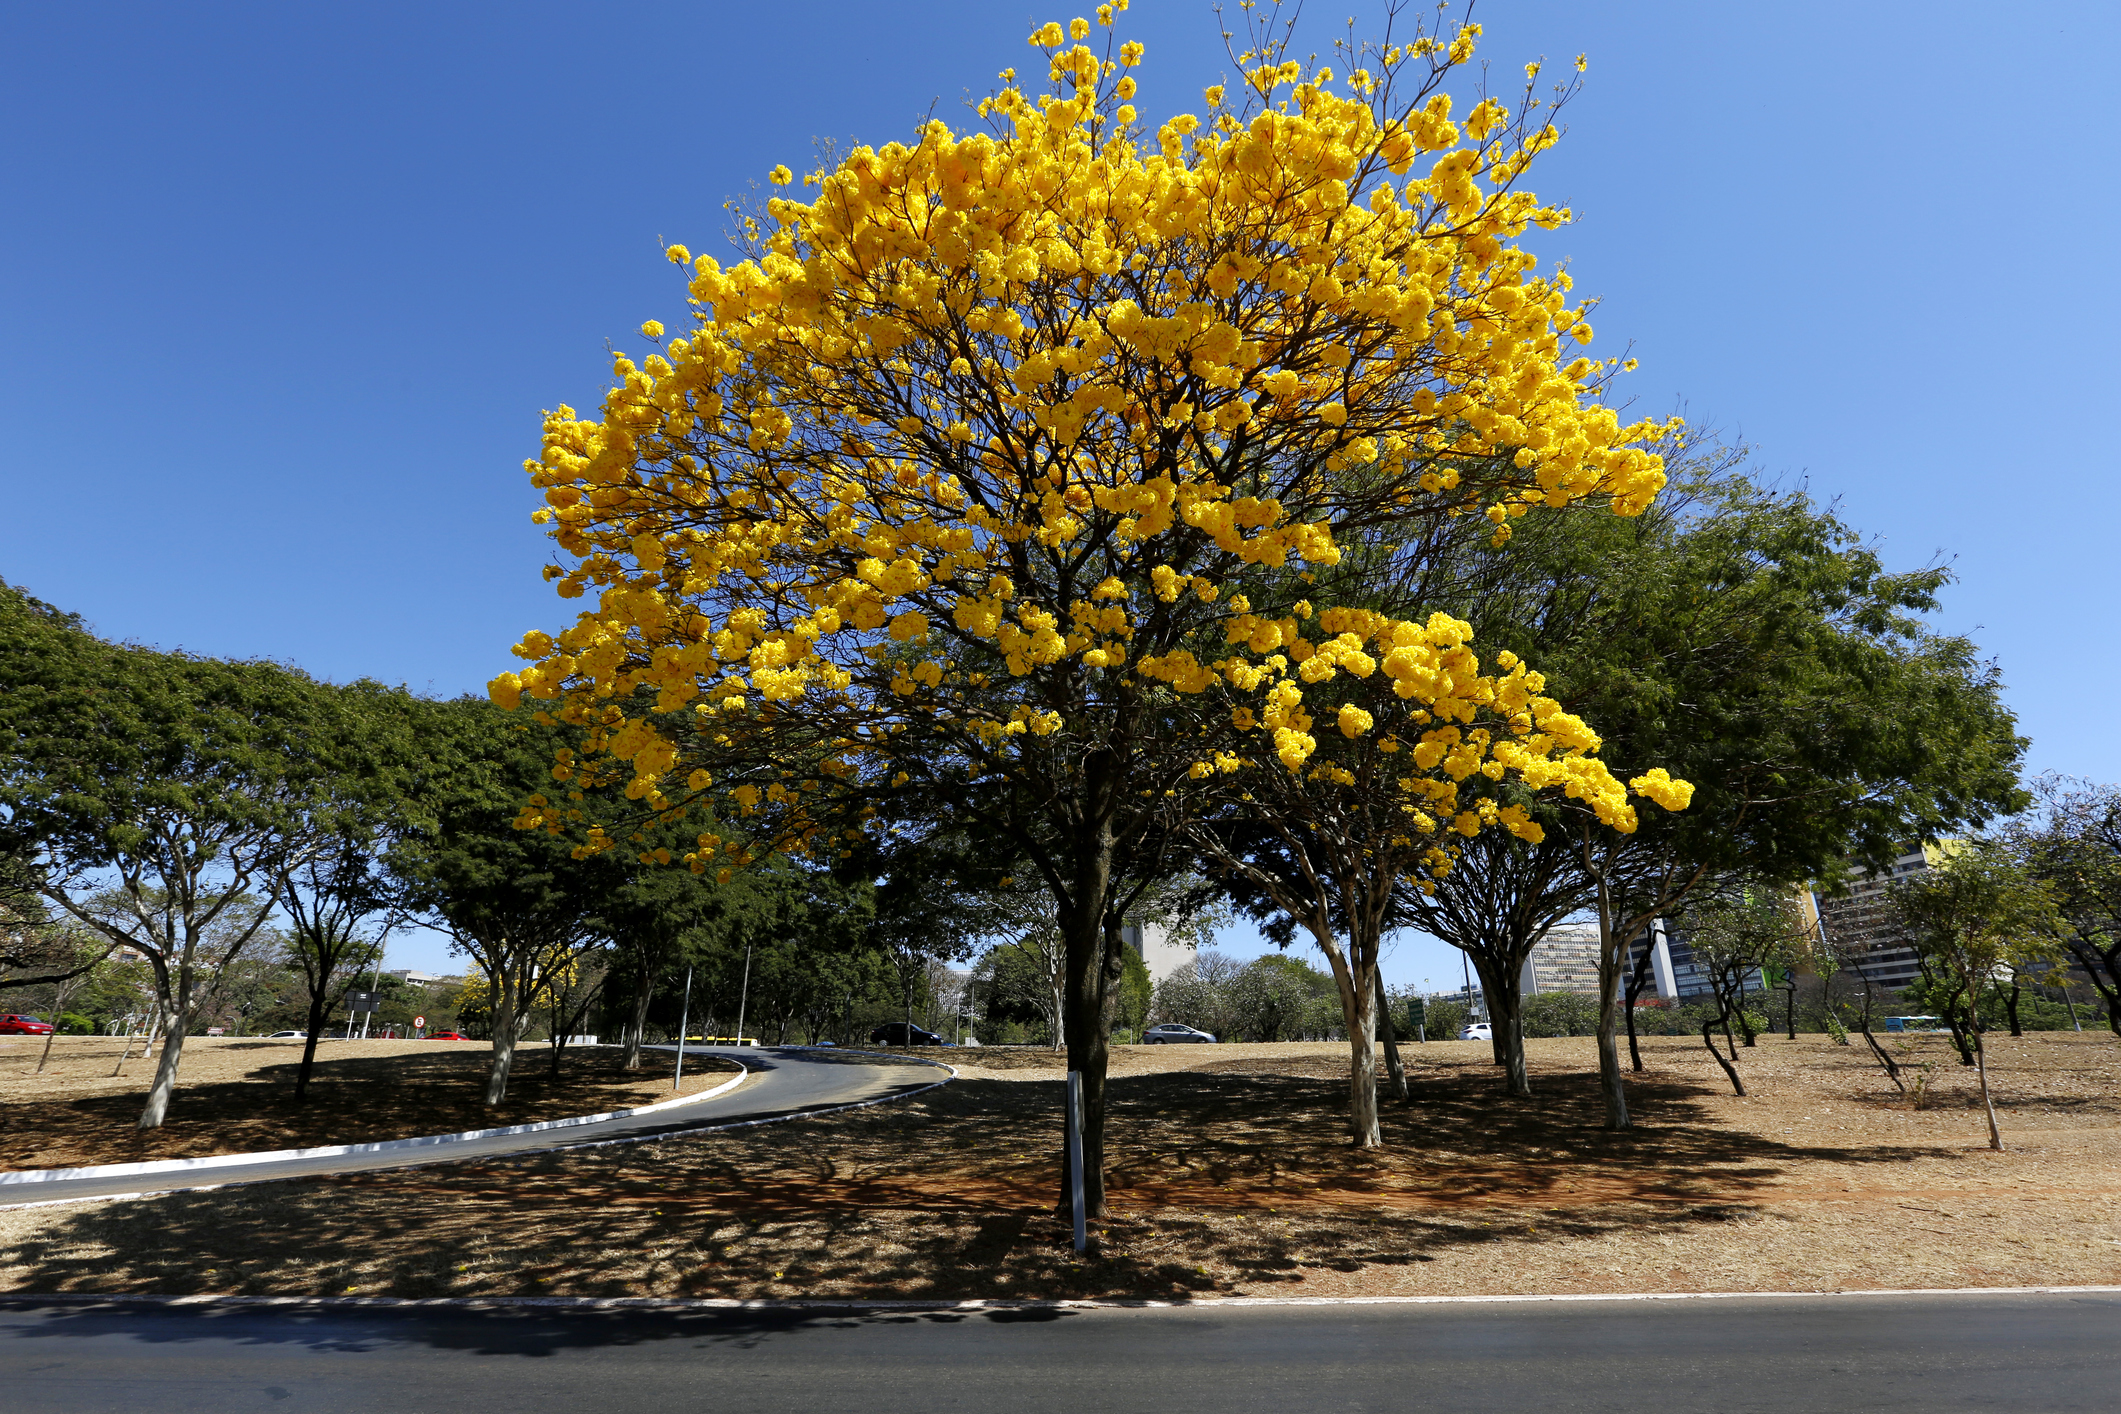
(1565, 960)
(1159, 952)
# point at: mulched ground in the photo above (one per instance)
(1230, 1175)
(237, 1096)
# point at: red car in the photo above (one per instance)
(12, 1025)
(447, 1036)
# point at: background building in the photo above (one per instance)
(1565, 960)
(1861, 926)
(1159, 951)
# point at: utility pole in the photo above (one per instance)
(373, 987)
(743, 995)
(684, 1025)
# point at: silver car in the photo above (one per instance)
(1476, 1031)
(1171, 1033)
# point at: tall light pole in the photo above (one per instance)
(743, 995)
(684, 1025)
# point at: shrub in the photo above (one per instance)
(1560, 1014)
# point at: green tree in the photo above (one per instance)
(1130, 999)
(341, 902)
(1738, 930)
(519, 902)
(1753, 645)
(2074, 845)
(1560, 1014)
(159, 793)
(1980, 912)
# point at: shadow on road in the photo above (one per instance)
(500, 1331)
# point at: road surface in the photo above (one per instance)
(790, 1080)
(2050, 1352)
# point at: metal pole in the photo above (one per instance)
(1075, 1154)
(684, 1025)
(374, 986)
(743, 995)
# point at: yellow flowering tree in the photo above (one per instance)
(1364, 750)
(985, 422)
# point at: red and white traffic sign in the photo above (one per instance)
(419, 1021)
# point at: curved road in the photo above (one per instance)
(788, 1080)
(2050, 1351)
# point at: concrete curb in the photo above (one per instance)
(1213, 1303)
(21, 1177)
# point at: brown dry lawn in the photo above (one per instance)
(237, 1096)
(1231, 1175)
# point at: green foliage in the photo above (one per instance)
(1560, 1014)
(1282, 998)
(1446, 1019)
(2074, 847)
(1130, 999)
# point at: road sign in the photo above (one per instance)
(363, 1001)
(419, 1021)
(1417, 1013)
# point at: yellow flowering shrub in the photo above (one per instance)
(967, 450)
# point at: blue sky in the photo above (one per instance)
(286, 287)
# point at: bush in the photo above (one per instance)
(1655, 1018)
(1445, 1019)
(1561, 1014)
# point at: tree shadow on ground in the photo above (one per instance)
(352, 1100)
(1220, 1181)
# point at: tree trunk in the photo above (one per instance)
(309, 1045)
(1789, 1014)
(154, 1026)
(1637, 980)
(1995, 1137)
(174, 1014)
(506, 1027)
(1083, 1018)
(1612, 955)
(1708, 1039)
(1892, 1068)
(1358, 1007)
(45, 1056)
(1393, 1068)
(1506, 1024)
(643, 993)
(2010, 1006)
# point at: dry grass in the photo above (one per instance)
(237, 1096)
(1231, 1175)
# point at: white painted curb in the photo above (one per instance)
(19, 1177)
(653, 1304)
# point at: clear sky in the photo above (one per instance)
(286, 286)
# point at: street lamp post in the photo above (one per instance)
(684, 1025)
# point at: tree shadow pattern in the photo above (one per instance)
(352, 1100)
(1221, 1181)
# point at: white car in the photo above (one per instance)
(288, 1036)
(1476, 1031)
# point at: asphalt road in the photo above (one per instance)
(2011, 1352)
(790, 1080)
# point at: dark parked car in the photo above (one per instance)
(13, 1025)
(903, 1033)
(1171, 1033)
